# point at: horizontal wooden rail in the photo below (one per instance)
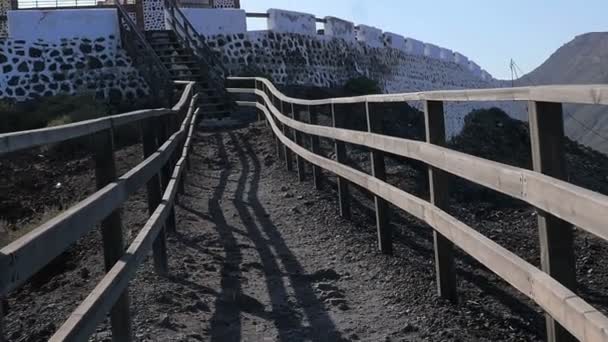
(15, 141)
(583, 208)
(84, 320)
(581, 94)
(24, 257)
(578, 317)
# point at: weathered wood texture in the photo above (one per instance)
(338, 119)
(573, 313)
(315, 147)
(438, 184)
(581, 207)
(556, 235)
(297, 137)
(581, 94)
(378, 168)
(154, 190)
(286, 152)
(111, 230)
(23, 258)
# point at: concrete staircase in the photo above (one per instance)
(183, 64)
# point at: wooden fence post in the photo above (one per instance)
(556, 235)
(2, 314)
(266, 122)
(273, 100)
(340, 149)
(297, 136)
(166, 174)
(151, 138)
(314, 146)
(438, 182)
(286, 151)
(259, 114)
(374, 125)
(111, 230)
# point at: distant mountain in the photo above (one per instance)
(584, 60)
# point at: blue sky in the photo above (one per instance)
(491, 32)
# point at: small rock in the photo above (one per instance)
(85, 273)
(164, 321)
(409, 328)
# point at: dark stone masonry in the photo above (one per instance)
(35, 69)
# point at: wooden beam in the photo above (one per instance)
(111, 231)
(556, 235)
(580, 94)
(378, 170)
(338, 119)
(165, 174)
(15, 141)
(438, 183)
(286, 151)
(2, 314)
(315, 147)
(280, 151)
(297, 137)
(150, 140)
(580, 318)
(581, 207)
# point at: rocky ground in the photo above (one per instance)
(261, 257)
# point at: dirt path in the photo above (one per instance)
(259, 257)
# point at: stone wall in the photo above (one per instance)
(32, 69)
(154, 15)
(5, 6)
(297, 59)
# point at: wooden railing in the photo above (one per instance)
(145, 59)
(191, 39)
(560, 203)
(166, 136)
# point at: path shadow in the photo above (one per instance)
(267, 238)
(226, 321)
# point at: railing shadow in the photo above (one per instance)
(420, 241)
(256, 219)
(230, 275)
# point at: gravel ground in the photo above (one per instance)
(261, 257)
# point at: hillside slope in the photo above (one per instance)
(581, 61)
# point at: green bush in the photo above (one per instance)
(362, 86)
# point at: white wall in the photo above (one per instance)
(52, 25)
(291, 22)
(485, 75)
(394, 41)
(414, 47)
(474, 68)
(217, 21)
(338, 28)
(431, 51)
(461, 59)
(369, 35)
(446, 55)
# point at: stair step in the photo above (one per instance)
(176, 56)
(220, 112)
(194, 70)
(178, 50)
